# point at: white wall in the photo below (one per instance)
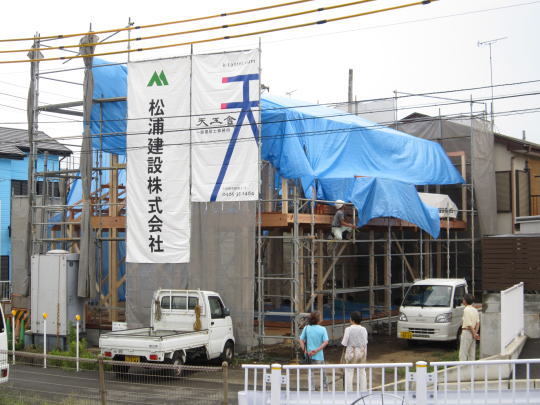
(503, 162)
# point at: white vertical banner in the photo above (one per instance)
(225, 126)
(158, 136)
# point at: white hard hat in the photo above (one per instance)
(339, 204)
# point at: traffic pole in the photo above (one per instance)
(44, 339)
(13, 313)
(77, 318)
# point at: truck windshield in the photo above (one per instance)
(428, 296)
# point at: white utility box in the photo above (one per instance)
(54, 291)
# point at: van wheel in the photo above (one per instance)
(228, 352)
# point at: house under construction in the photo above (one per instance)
(271, 259)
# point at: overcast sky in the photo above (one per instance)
(420, 49)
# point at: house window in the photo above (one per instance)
(504, 191)
(522, 194)
(4, 268)
(19, 187)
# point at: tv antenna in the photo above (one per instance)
(490, 43)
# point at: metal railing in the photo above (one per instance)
(5, 291)
(450, 383)
(99, 381)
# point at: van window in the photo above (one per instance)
(459, 295)
(179, 302)
(428, 296)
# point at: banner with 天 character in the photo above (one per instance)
(192, 118)
(225, 126)
(158, 151)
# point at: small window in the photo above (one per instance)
(4, 268)
(459, 295)
(503, 184)
(216, 308)
(179, 302)
(19, 187)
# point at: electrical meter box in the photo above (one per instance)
(54, 291)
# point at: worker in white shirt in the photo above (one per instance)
(469, 330)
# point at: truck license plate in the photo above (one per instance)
(133, 359)
(405, 335)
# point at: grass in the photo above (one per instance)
(26, 399)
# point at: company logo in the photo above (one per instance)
(159, 80)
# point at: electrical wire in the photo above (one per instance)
(448, 117)
(193, 31)
(313, 23)
(62, 36)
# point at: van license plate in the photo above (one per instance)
(133, 359)
(405, 335)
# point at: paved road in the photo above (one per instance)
(531, 350)
(57, 385)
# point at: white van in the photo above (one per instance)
(4, 365)
(432, 310)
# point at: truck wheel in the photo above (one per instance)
(228, 352)
(120, 372)
(178, 361)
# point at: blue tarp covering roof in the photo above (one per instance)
(313, 142)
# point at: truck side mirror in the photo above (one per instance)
(226, 312)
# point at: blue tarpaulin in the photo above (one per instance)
(353, 159)
(313, 142)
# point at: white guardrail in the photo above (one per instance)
(512, 314)
(502, 382)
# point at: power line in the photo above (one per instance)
(62, 36)
(411, 21)
(313, 23)
(194, 31)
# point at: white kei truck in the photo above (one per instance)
(432, 310)
(4, 364)
(184, 325)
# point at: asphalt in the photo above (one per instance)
(531, 350)
(56, 385)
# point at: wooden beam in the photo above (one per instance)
(108, 222)
(407, 264)
(328, 272)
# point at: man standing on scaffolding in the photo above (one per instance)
(339, 225)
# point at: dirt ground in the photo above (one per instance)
(381, 349)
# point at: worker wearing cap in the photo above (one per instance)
(339, 225)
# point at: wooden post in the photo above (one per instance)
(427, 256)
(113, 245)
(320, 276)
(225, 368)
(301, 273)
(387, 274)
(284, 196)
(371, 274)
(438, 260)
(101, 375)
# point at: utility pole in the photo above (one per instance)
(490, 43)
(350, 95)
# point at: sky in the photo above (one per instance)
(419, 49)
